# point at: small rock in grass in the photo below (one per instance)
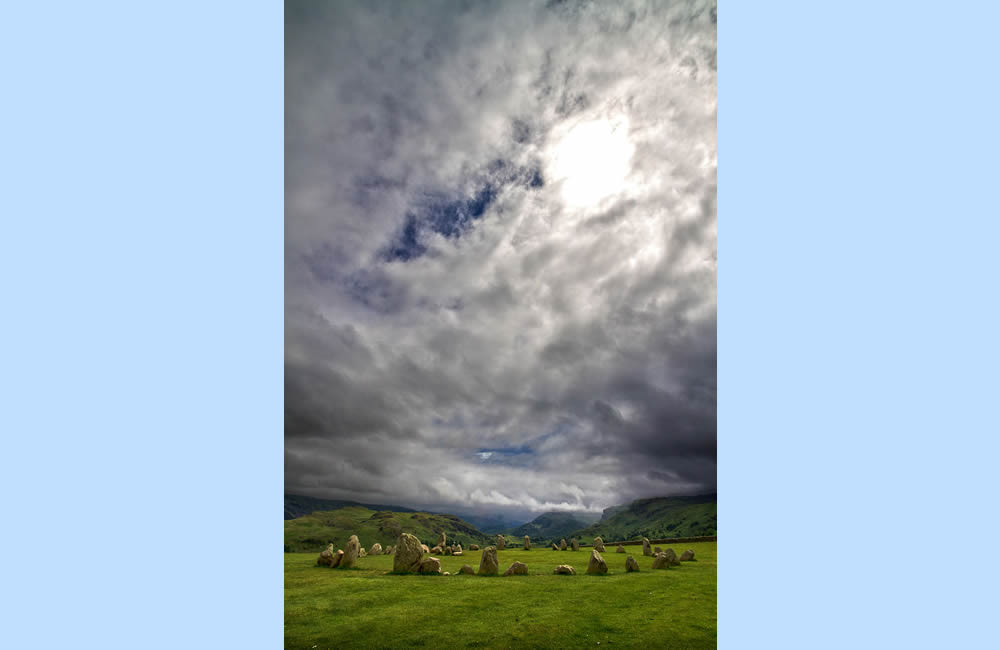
(468, 570)
(631, 565)
(687, 556)
(620, 549)
(408, 554)
(597, 565)
(565, 569)
(351, 553)
(430, 565)
(517, 569)
(489, 565)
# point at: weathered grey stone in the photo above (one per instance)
(443, 540)
(620, 549)
(657, 550)
(597, 565)
(437, 550)
(446, 574)
(565, 569)
(555, 547)
(489, 565)
(457, 553)
(352, 551)
(376, 549)
(631, 565)
(326, 557)
(449, 550)
(517, 569)
(501, 542)
(468, 570)
(474, 547)
(599, 544)
(362, 553)
(646, 550)
(430, 565)
(527, 543)
(576, 545)
(687, 556)
(562, 545)
(665, 559)
(337, 558)
(408, 554)
(424, 547)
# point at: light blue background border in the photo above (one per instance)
(858, 275)
(142, 283)
(142, 280)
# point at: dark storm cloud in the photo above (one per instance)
(469, 325)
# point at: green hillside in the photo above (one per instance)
(655, 518)
(548, 527)
(313, 532)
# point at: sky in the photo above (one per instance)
(500, 253)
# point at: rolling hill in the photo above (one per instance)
(659, 517)
(550, 526)
(297, 505)
(313, 532)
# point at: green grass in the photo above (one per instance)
(367, 607)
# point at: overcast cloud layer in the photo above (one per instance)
(500, 253)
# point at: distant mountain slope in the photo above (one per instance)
(492, 523)
(297, 505)
(658, 517)
(313, 532)
(549, 526)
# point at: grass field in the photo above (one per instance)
(365, 607)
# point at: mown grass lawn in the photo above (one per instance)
(366, 607)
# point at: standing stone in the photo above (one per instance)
(458, 549)
(424, 547)
(517, 569)
(351, 553)
(362, 553)
(657, 550)
(449, 550)
(687, 556)
(576, 545)
(565, 569)
(326, 557)
(631, 565)
(646, 550)
(555, 547)
(466, 569)
(337, 558)
(443, 540)
(437, 550)
(474, 547)
(429, 565)
(501, 542)
(562, 545)
(527, 543)
(660, 561)
(408, 553)
(489, 565)
(620, 549)
(597, 565)
(672, 557)
(599, 544)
